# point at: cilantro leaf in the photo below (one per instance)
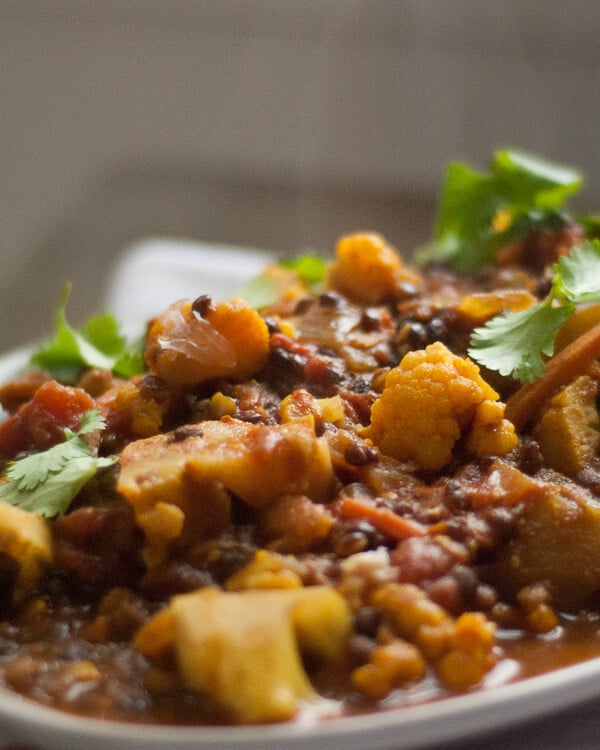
(260, 291)
(310, 268)
(513, 343)
(45, 483)
(98, 343)
(577, 275)
(54, 495)
(264, 289)
(528, 181)
(479, 213)
(91, 421)
(516, 343)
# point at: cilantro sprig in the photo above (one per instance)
(481, 212)
(45, 483)
(99, 343)
(516, 343)
(263, 290)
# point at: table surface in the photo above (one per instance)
(576, 728)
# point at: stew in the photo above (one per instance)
(319, 503)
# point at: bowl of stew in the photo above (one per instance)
(351, 497)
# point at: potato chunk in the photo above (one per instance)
(25, 538)
(243, 649)
(557, 540)
(256, 462)
(567, 431)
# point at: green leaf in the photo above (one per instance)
(98, 343)
(91, 421)
(310, 268)
(54, 495)
(260, 291)
(131, 363)
(31, 471)
(521, 190)
(263, 290)
(45, 483)
(577, 275)
(590, 224)
(513, 343)
(103, 332)
(529, 181)
(469, 201)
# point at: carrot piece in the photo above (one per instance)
(564, 367)
(383, 519)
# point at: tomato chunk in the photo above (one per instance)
(40, 423)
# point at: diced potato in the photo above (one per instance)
(567, 431)
(557, 540)
(256, 462)
(584, 318)
(238, 454)
(243, 649)
(295, 524)
(25, 538)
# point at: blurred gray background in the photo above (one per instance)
(268, 123)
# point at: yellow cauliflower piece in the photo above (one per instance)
(429, 400)
(25, 539)
(243, 649)
(368, 270)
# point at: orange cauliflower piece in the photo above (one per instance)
(192, 342)
(429, 401)
(368, 270)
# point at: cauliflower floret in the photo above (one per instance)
(195, 341)
(429, 400)
(243, 649)
(368, 270)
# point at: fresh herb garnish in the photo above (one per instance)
(515, 343)
(260, 291)
(99, 343)
(480, 213)
(45, 483)
(264, 289)
(309, 268)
